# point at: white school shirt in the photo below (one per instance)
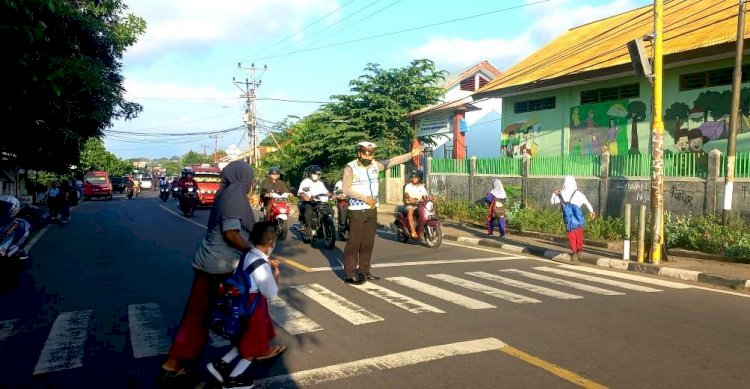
(262, 277)
(415, 191)
(316, 187)
(578, 199)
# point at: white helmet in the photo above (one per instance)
(15, 205)
(369, 147)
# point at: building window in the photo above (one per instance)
(709, 78)
(467, 84)
(534, 105)
(482, 82)
(601, 95)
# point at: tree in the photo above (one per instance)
(192, 157)
(61, 82)
(677, 112)
(95, 157)
(636, 112)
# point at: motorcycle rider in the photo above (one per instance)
(272, 184)
(308, 189)
(413, 193)
(163, 183)
(129, 184)
(14, 232)
(187, 180)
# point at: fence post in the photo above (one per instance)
(712, 177)
(525, 171)
(472, 171)
(603, 182)
(427, 172)
(626, 237)
(642, 233)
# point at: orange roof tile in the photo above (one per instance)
(484, 65)
(688, 25)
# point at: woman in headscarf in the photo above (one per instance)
(570, 194)
(227, 237)
(496, 200)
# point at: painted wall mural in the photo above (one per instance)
(704, 125)
(599, 127)
(520, 138)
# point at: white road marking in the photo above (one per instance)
(397, 299)
(631, 277)
(420, 263)
(497, 251)
(7, 329)
(217, 341)
(494, 292)
(148, 334)
(569, 284)
(182, 217)
(385, 362)
(36, 238)
(292, 320)
(600, 280)
(342, 307)
(523, 285)
(451, 297)
(64, 346)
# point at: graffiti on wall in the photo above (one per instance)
(599, 127)
(520, 138)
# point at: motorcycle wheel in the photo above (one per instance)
(281, 229)
(400, 234)
(433, 236)
(329, 234)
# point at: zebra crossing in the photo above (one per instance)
(64, 347)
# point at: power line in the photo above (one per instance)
(175, 134)
(233, 98)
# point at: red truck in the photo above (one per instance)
(208, 179)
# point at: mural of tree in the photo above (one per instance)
(679, 113)
(713, 103)
(637, 113)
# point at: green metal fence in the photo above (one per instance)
(637, 165)
(588, 165)
(500, 166)
(447, 166)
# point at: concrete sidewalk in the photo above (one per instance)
(710, 271)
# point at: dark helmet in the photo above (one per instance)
(415, 173)
(186, 171)
(314, 169)
(274, 170)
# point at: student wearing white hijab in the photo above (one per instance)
(570, 194)
(496, 200)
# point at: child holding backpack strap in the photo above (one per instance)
(496, 200)
(571, 201)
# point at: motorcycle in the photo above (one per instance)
(428, 228)
(279, 212)
(188, 199)
(176, 192)
(36, 216)
(129, 192)
(164, 194)
(342, 205)
(13, 238)
(323, 226)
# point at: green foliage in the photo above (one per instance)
(173, 168)
(95, 157)
(47, 178)
(707, 234)
(61, 79)
(192, 157)
(374, 111)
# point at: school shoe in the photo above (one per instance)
(219, 370)
(371, 277)
(242, 381)
(574, 259)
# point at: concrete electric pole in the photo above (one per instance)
(216, 146)
(204, 150)
(248, 89)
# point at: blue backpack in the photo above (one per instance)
(572, 214)
(233, 306)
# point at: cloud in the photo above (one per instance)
(550, 20)
(195, 25)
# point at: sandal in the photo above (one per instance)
(273, 352)
(173, 377)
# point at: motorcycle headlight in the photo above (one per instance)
(429, 206)
(190, 189)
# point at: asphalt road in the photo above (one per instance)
(105, 293)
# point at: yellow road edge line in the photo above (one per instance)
(293, 263)
(552, 368)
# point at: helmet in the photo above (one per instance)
(314, 169)
(367, 147)
(415, 173)
(274, 170)
(15, 205)
(186, 171)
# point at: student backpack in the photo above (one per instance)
(232, 306)
(572, 214)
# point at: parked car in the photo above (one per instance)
(118, 183)
(97, 184)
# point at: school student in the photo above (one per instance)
(574, 221)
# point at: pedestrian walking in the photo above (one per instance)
(55, 200)
(68, 198)
(361, 186)
(571, 201)
(253, 343)
(227, 237)
(496, 202)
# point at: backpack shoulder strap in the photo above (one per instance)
(572, 195)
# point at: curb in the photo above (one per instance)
(620, 264)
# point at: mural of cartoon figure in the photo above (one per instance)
(596, 146)
(590, 125)
(696, 140)
(682, 142)
(612, 137)
(575, 118)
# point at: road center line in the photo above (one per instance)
(182, 217)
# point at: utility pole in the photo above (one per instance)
(657, 140)
(250, 118)
(733, 116)
(216, 146)
(204, 150)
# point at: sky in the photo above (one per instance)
(181, 70)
